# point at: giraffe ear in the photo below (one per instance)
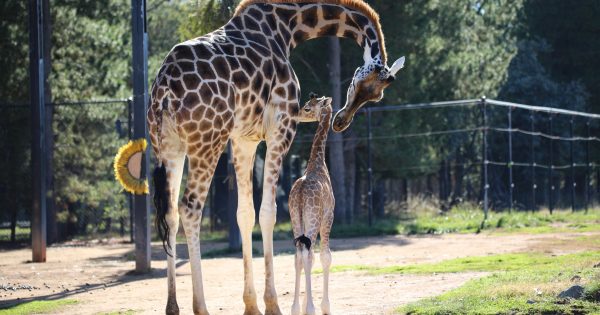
(397, 65)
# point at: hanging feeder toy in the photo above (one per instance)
(128, 167)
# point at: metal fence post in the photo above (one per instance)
(532, 149)
(550, 167)
(38, 131)
(129, 195)
(588, 166)
(572, 166)
(140, 100)
(511, 185)
(369, 168)
(484, 164)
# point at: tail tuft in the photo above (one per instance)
(302, 239)
(161, 203)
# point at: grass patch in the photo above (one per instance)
(21, 234)
(460, 219)
(36, 307)
(501, 262)
(467, 219)
(521, 286)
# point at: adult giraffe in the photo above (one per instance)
(237, 84)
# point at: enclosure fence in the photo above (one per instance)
(498, 154)
(85, 136)
(520, 156)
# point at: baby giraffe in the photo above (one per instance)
(311, 207)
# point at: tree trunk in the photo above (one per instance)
(459, 171)
(404, 189)
(336, 146)
(357, 192)
(379, 199)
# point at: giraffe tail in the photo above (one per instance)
(302, 240)
(159, 177)
(161, 203)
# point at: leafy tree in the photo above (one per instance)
(14, 115)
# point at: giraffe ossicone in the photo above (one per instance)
(237, 84)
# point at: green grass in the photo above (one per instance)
(501, 262)
(36, 307)
(461, 219)
(469, 220)
(517, 279)
(21, 234)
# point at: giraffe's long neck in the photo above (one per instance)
(317, 152)
(290, 24)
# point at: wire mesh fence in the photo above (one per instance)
(495, 154)
(85, 136)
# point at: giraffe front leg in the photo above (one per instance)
(243, 159)
(278, 142)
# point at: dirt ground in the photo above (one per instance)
(98, 274)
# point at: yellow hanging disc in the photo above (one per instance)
(128, 167)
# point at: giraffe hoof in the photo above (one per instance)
(252, 311)
(273, 311)
(172, 308)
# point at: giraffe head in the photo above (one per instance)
(315, 109)
(368, 84)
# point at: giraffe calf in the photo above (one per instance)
(311, 206)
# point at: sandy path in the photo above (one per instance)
(98, 276)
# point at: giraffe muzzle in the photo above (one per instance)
(341, 121)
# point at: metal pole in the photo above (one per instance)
(573, 184)
(484, 165)
(550, 167)
(129, 195)
(38, 131)
(532, 149)
(588, 167)
(369, 167)
(140, 101)
(511, 185)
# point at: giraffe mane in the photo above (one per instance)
(358, 5)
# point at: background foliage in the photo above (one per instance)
(542, 52)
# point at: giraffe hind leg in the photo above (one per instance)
(167, 180)
(324, 233)
(202, 162)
